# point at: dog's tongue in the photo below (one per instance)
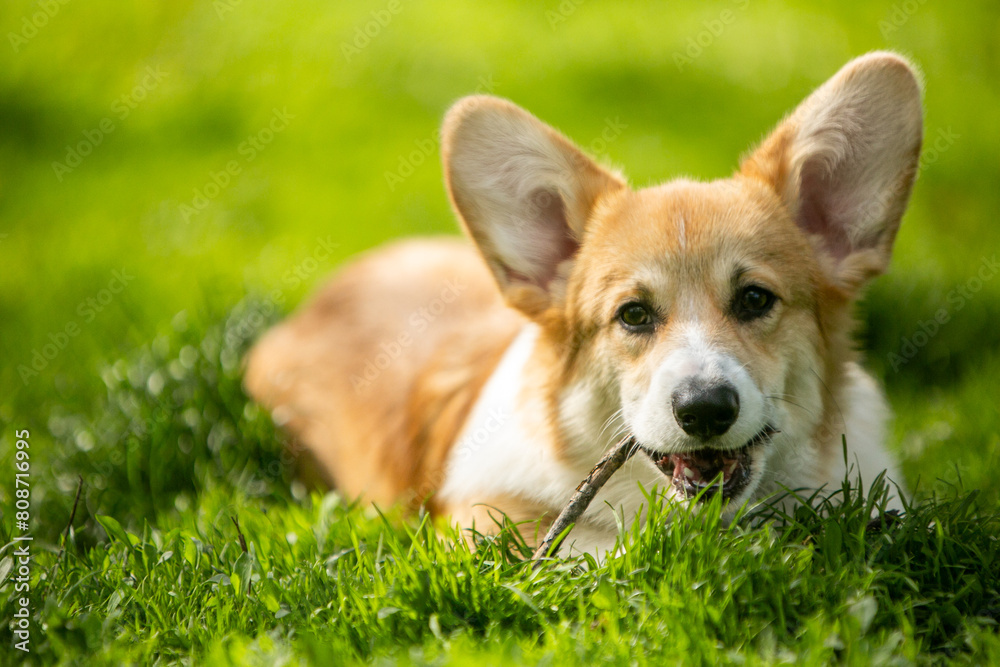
(694, 472)
(702, 467)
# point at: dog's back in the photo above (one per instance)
(379, 371)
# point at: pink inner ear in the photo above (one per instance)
(546, 240)
(818, 211)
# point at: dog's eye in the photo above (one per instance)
(753, 302)
(635, 316)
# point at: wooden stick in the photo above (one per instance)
(585, 492)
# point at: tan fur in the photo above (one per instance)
(560, 244)
(384, 441)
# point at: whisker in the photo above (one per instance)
(798, 405)
(616, 437)
(607, 423)
(833, 398)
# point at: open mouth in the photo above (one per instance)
(707, 471)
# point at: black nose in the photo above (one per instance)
(705, 411)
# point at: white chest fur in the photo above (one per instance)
(497, 456)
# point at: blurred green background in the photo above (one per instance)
(209, 150)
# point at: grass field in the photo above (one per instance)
(175, 175)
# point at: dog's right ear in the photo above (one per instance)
(524, 193)
(844, 163)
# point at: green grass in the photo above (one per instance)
(142, 397)
(324, 582)
(310, 579)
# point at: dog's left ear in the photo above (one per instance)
(524, 193)
(844, 163)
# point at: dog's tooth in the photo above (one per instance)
(731, 468)
(689, 473)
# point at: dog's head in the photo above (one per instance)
(702, 318)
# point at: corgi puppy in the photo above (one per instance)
(711, 322)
